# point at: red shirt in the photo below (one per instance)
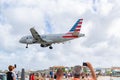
(32, 77)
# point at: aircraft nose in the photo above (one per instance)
(21, 40)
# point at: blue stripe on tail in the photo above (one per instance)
(75, 25)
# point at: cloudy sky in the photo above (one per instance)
(101, 25)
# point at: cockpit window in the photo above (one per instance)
(29, 37)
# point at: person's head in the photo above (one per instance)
(77, 71)
(59, 72)
(10, 68)
(38, 74)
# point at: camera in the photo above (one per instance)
(84, 64)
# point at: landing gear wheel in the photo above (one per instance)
(27, 46)
(50, 47)
(42, 45)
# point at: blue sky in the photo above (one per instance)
(101, 23)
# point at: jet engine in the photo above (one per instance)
(44, 45)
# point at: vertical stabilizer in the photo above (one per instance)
(75, 30)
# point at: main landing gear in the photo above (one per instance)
(50, 47)
(47, 45)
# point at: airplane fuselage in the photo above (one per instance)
(50, 38)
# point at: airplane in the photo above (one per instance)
(48, 39)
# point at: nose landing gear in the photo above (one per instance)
(27, 46)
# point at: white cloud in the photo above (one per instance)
(106, 7)
(114, 29)
(7, 39)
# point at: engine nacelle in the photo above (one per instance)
(45, 45)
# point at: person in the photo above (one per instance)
(32, 76)
(11, 74)
(77, 72)
(59, 74)
(55, 76)
(93, 74)
(38, 77)
(51, 74)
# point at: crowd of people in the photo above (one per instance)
(76, 74)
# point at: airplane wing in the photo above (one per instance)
(36, 36)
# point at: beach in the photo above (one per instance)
(99, 78)
(108, 78)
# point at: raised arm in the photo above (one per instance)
(92, 70)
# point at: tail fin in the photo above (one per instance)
(77, 26)
(75, 30)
